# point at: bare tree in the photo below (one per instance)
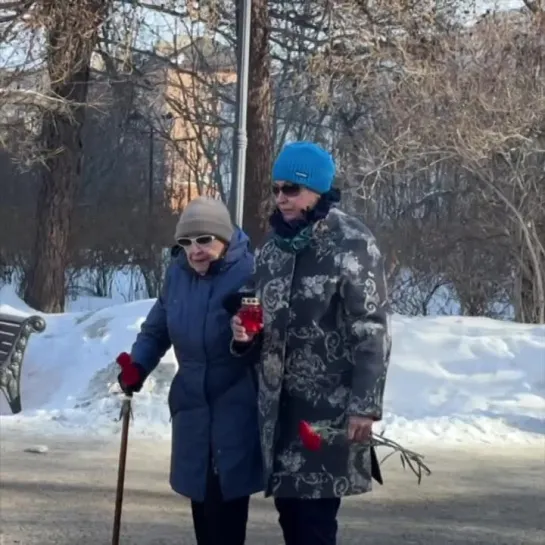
(260, 145)
(437, 127)
(475, 99)
(71, 33)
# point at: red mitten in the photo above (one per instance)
(130, 372)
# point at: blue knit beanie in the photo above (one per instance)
(306, 164)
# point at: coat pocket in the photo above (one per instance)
(174, 395)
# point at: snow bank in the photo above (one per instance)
(451, 380)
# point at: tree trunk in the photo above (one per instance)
(259, 126)
(530, 306)
(71, 32)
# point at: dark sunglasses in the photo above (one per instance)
(201, 240)
(290, 190)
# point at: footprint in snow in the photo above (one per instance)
(39, 449)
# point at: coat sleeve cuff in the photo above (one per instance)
(241, 349)
(251, 349)
(364, 408)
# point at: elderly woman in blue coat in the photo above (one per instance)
(216, 458)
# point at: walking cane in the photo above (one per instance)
(125, 417)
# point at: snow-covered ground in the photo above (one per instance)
(451, 380)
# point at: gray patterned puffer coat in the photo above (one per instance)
(324, 355)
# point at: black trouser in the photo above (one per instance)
(219, 522)
(308, 522)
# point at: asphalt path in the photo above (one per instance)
(485, 495)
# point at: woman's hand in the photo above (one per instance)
(240, 335)
(131, 378)
(359, 428)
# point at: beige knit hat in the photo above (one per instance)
(205, 216)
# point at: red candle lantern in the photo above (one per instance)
(251, 315)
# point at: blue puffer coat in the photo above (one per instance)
(213, 396)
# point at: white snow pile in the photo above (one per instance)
(451, 379)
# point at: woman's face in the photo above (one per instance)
(201, 251)
(292, 199)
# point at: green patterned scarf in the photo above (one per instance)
(295, 243)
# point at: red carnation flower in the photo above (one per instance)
(313, 437)
(310, 437)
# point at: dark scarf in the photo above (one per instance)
(294, 236)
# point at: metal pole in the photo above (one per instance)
(236, 199)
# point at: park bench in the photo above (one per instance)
(15, 332)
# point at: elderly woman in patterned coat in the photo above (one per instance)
(324, 348)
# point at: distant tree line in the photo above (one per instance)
(435, 113)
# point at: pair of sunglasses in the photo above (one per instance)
(289, 190)
(201, 240)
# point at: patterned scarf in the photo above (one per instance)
(294, 236)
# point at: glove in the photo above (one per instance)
(232, 302)
(132, 376)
